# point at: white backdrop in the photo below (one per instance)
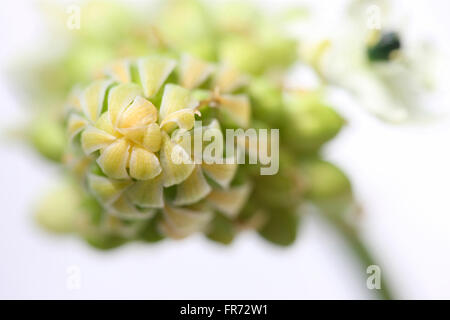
(401, 175)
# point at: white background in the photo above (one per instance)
(400, 174)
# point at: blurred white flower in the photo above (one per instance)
(371, 54)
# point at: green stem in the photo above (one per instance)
(361, 252)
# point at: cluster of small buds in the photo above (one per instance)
(133, 173)
(123, 133)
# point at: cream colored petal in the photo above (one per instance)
(184, 139)
(106, 190)
(231, 201)
(175, 161)
(152, 138)
(120, 71)
(103, 123)
(175, 98)
(148, 193)
(193, 189)
(181, 222)
(183, 119)
(229, 79)
(222, 174)
(214, 142)
(193, 71)
(143, 164)
(114, 158)
(93, 139)
(124, 209)
(153, 71)
(93, 97)
(237, 107)
(121, 97)
(134, 134)
(140, 113)
(75, 124)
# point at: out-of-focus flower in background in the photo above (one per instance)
(371, 54)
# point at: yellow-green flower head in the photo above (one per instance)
(127, 121)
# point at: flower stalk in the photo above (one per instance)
(360, 251)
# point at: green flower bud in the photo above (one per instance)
(272, 207)
(280, 51)
(329, 189)
(267, 100)
(57, 211)
(104, 21)
(150, 232)
(313, 122)
(324, 180)
(205, 50)
(183, 23)
(48, 137)
(244, 54)
(104, 242)
(281, 227)
(83, 62)
(251, 41)
(101, 229)
(238, 17)
(221, 229)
